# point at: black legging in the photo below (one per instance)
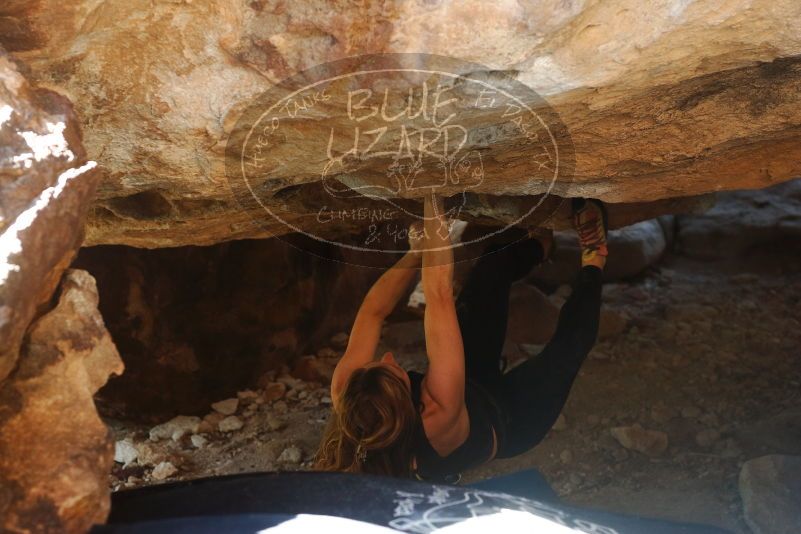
(531, 395)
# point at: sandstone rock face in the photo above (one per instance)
(55, 452)
(661, 101)
(45, 186)
(196, 324)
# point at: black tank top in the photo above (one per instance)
(484, 416)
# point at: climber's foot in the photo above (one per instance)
(589, 220)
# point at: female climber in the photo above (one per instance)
(465, 410)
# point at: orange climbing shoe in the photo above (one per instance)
(589, 220)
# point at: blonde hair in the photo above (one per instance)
(372, 427)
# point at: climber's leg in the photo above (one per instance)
(534, 393)
(483, 304)
(536, 390)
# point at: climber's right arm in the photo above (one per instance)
(444, 383)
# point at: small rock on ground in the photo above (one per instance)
(226, 407)
(175, 428)
(198, 441)
(148, 454)
(163, 471)
(636, 438)
(274, 391)
(247, 395)
(291, 455)
(124, 452)
(275, 423)
(314, 369)
(230, 423)
(707, 438)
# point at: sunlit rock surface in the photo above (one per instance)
(54, 352)
(45, 185)
(55, 452)
(662, 100)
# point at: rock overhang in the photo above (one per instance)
(664, 104)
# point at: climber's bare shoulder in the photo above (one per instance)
(446, 427)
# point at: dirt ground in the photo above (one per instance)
(711, 356)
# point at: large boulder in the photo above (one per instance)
(662, 101)
(631, 250)
(46, 184)
(770, 488)
(55, 452)
(746, 223)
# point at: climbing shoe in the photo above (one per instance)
(590, 222)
